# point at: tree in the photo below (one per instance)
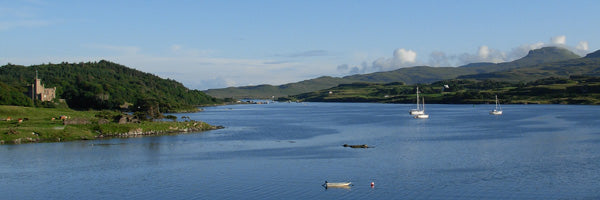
(148, 108)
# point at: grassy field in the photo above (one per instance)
(27, 124)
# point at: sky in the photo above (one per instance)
(223, 43)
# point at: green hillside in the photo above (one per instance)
(412, 75)
(589, 65)
(268, 91)
(572, 90)
(103, 85)
(409, 75)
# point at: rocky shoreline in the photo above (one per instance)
(136, 132)
(139, 132)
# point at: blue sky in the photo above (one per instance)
(216, 44)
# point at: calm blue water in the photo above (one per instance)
(286, 151)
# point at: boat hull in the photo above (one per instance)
(422, 116)
(416, 112)
(496, 112)
(340, 184)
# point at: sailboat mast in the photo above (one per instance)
(418, 98)
(496, 102)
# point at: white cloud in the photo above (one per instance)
(405, 56)
(559, 40)
(400, 58)
(483, 52)
(583, 45)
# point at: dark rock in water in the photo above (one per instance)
(356, 145)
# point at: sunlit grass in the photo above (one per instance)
(45, 125)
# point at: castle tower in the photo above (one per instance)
(39, 92)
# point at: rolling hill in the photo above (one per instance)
(409, 75)
(268, 91)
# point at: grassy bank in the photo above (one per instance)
(27, 124)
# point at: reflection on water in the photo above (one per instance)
(283, 151)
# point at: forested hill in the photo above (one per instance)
(104, 85)
(13, 96)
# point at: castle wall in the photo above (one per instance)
(41, 93)
(49, 94)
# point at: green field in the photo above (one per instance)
(45, 125)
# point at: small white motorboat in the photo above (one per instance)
(337, 184)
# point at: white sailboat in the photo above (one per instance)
(422, 115)
(417, 111)
(497, 110)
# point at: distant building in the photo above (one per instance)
(39, 92)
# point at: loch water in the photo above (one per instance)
(288, 150)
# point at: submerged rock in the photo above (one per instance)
(357, 146)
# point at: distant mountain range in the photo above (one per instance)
(538, 63)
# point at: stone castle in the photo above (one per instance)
(40, 93)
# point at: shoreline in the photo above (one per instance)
(197, 127)
(139, 133)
